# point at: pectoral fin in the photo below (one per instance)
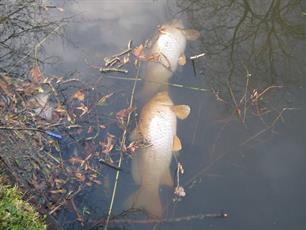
(177, 146)
(191, 34)
(181, 111)
(182, 59)
(166, 179)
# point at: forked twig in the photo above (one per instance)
(269, 127)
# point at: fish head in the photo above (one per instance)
(172, 26)
(176, 26)
(162, 98)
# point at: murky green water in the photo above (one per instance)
(244, 148)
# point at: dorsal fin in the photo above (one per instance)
(181, 111)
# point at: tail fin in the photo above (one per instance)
(147, 199)
(155, 80)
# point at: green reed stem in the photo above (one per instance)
(123, 139)
(161, 83)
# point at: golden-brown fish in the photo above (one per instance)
(151, 164)
(168, 51)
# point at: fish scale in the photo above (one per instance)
(170, 45)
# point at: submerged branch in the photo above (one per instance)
(110, 165)
(169, 220)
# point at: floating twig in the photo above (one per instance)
(106, 70)
(193, 58)
(197, 56)
(111, 62)
(123, 139)
(124, 52)
(160, 83)
(109, 165)
(68, 197)
(201, 216)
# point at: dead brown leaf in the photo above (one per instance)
(79, 176)
(60, 109)
(79, 95)
(122, 114)
(84, 109)
(131, 148)
(139, 52)
(86, 159)
(61, 9)
(153, 57)
(88, 184)
(75, 160)
(36, 74)
(96, 181)
(103, 100)
(108, 144)
(90, 130)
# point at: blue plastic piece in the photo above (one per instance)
(54, 135)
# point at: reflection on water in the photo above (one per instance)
(244, 142)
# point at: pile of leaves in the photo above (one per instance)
(39, 118)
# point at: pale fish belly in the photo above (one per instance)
(157, 158)
(171, 47)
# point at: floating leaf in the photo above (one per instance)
(103, 100)
(60, 109)
(79, 176)
(79, 95)
(90, 130)
(60, 9)
(153, 57)
(107, 145)
(36, 74)
(84, 109)
(59, 181)
(122, 114)
(139, 51)
(96, 181)
(88, 184)
(76, 160)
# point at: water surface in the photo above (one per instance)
(241, 154)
